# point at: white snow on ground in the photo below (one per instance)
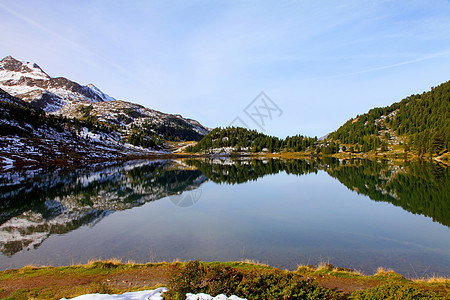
(15, 90)
(100, 93)
(33, 72)
(142, 295)
(9, 163)
(151, 295)
(208, 297)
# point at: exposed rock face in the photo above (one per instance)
(30, 83)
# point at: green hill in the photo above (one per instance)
(237, 139)
(420, 123)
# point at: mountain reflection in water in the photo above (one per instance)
(35, 205)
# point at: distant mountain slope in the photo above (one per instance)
(419, 122)
(29, 136)
(7, 98)
(28, 82)
(136, 117)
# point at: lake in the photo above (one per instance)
(357, 214)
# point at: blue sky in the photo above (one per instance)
(320, 62)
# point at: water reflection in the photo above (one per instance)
(418, 187)
(37, 204)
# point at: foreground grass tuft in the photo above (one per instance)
(396, 291)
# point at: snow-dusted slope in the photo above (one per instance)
(30, 83)
(100, 93)
(29, 138)
(5, 97)
(130, 115)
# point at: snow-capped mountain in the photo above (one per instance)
(29, 137)
(30, 83)
(59, 95)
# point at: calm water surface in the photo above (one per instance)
(355, 214)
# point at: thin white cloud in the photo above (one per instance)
(71, 43)
(41, 27)
(404, 63)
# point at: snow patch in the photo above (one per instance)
(7, 163)
(142, 295)
(202, 296)
(97, 91)
(151, 295)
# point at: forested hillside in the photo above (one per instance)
(137, 125)
(30, 137)
(419, 122)
(22, 119)
(245, 140)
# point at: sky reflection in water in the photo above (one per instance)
(280, 219)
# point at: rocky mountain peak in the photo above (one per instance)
(30, 83)
(21, 69)
(59, 95)
(11, 64)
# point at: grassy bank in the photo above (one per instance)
(254, 281)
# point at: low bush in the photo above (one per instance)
(396, 292)
(196, 277)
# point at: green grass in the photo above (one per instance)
(242, 265)
(90, 269)
(245, 279)
(391, 291)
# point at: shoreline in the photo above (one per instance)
(80, 163)
(113, 276)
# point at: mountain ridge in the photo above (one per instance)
(48, 120)
(61, 96)
(30, 83)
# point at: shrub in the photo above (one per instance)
(196, 277)
(396, 292)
